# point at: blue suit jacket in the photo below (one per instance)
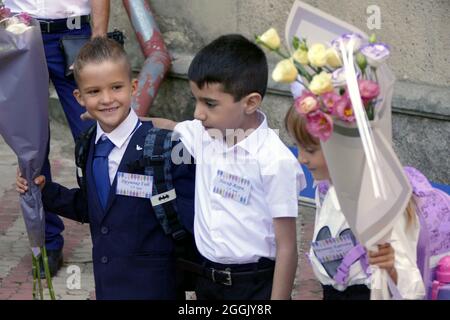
(132, 256)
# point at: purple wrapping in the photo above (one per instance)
(24, 116)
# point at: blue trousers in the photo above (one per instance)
(64, 87)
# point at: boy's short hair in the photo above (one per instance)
(98, 50)
(296, 126)
(233, 61)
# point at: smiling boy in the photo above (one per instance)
(133, 257)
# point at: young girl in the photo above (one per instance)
(345, 276)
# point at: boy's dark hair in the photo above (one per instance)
(233, 61)
(98, 50)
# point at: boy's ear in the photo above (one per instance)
(252, 102)
(77, 95)
(134, 86)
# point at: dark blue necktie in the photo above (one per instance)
(100, 169)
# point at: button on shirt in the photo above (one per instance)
(120, 136)
(227, 231)
(50, 9)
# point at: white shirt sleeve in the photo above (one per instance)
(283, 179)
(409, 279)
(190, 133)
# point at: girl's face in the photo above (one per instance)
(313, 158)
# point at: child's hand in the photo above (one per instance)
(384, 258)
(22, 184)
(161, 123)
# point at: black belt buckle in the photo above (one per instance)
(45, 23)
(221, 276)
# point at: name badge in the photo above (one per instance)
(232, 187)
(134, 185)
(333, 248)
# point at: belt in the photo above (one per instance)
(60, 25)
(225, 277)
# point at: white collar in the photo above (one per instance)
(255, 140)
(120, 134)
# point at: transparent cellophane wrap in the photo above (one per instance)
(371, 215)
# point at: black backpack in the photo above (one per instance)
(156, 162)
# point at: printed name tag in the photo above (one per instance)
(134, 185)
(333, 248)
(232, 187)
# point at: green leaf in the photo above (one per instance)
(296, 43)
(304, 45)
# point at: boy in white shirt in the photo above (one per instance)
(247, 180)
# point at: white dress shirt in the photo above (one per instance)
(227, 231)
(50, 9)
(120, 137)
(404, 240)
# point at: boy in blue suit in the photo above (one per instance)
(132, 255)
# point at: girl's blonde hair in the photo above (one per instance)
(296, 126)
(411, 212)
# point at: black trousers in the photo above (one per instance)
(252, 287)
(356, 292)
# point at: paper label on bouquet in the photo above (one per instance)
(134, 185)
(232, 187)
(332, 249)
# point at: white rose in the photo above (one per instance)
(17, 28)
(317, 55)
(271, 39)
(285, 72)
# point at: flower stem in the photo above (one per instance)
(302, 71)
(47, 273)
(41, 291)
(34, 268)
(374, 70)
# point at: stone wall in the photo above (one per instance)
(416, 30)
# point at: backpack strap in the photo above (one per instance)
(158, 164)
(82, 145)
(356, 253)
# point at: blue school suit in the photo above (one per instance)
(132, 256)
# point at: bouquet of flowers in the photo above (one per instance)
(318, 79)
(343, 89)
(16, 24)
(24, 121)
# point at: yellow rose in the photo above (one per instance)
(321, 83)
(271, 39)
(317, 55)
(301, 56)
(333, 59)
(285, 71)
(17, 28)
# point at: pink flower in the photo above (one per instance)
(4, 13)
(320, 125)
(369, 90)
(25, 18)
(306, 103)
(329, 101)
(344, 109)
